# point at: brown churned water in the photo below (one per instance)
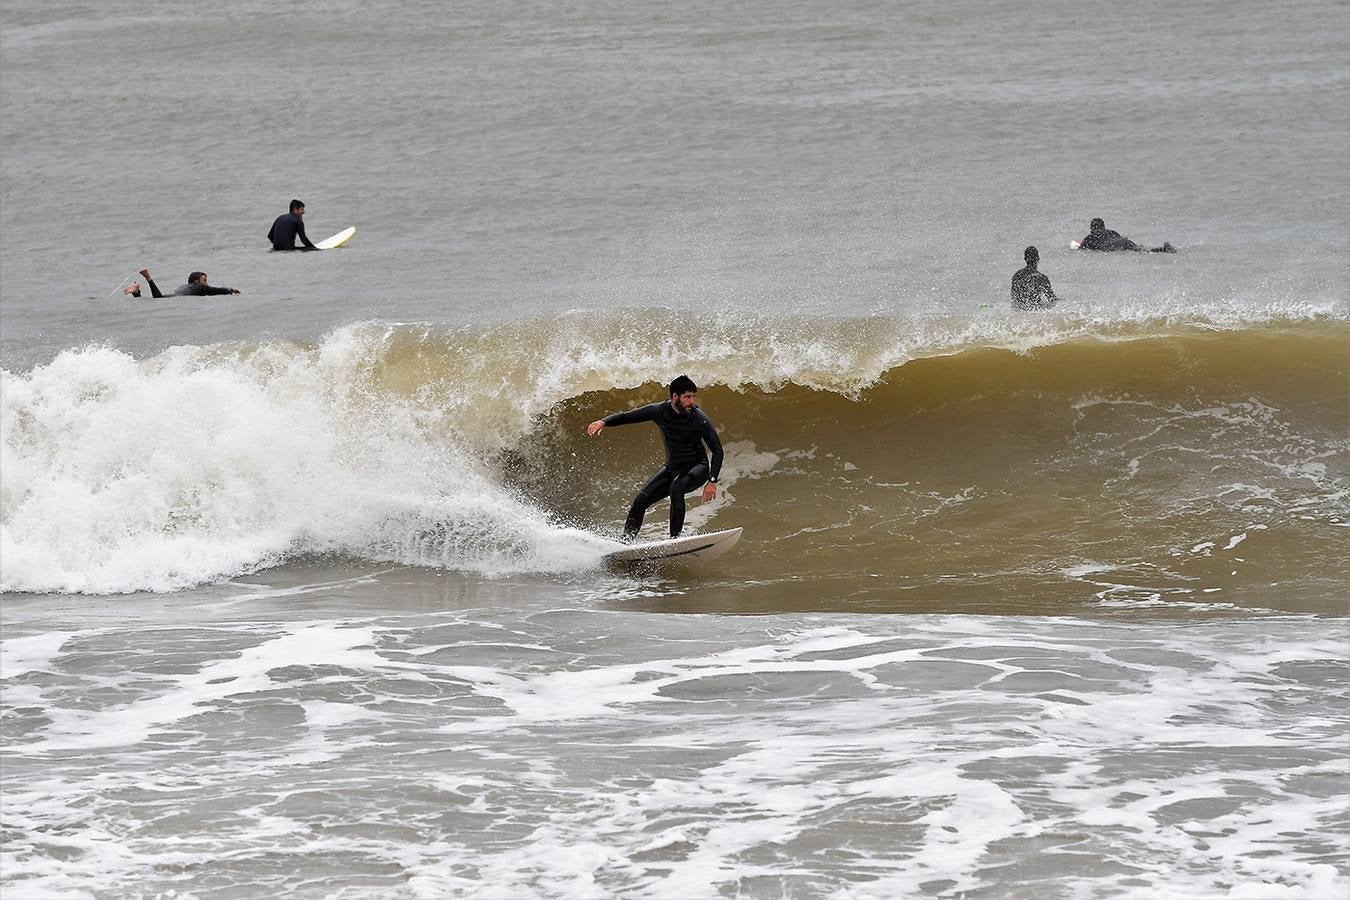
(1206, 467)
(300, 588)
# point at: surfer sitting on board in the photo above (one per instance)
(1030, 288)
(685, 429)
(1102, 238)
(196, 287)
(288, 227)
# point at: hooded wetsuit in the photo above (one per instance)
(686, 467)
(1107, 240)
(1110, 241)
(1031, 290)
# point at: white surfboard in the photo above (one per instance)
(680, 550)
(1074, 245)
(336, 240)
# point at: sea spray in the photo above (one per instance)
(201, 464)
(999, 447)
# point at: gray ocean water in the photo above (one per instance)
(301, 585)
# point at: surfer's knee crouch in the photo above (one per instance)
(658, 486)
(686, 430)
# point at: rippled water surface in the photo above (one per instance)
(303, 593)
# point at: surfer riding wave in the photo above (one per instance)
(685, 429)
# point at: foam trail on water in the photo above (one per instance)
(120, 475)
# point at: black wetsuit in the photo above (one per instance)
(1109, 241)
(1031, 290)
(201, 290)
(686, 467)
(187, 290)
(285, 230)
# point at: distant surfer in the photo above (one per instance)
(685, 429)
(1104, 239)
(196, 287)
(288, 227)
(1031, 288)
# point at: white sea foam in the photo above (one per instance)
(200, 464)
(182, 696)
(485, 754)
(120, 475)
(33, 653)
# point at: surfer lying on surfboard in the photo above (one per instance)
(196, 287)
(1104, 239)
(685, 429)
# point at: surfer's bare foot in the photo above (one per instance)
(145, 273)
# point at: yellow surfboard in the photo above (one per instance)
(336, 240)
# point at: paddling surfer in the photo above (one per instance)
(1104, 239)
(685, 429)
(195, 287)
(288, 227)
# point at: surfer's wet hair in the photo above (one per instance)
(195, 277)
(683, 385)
(1096, 223)
(297, 204)
(1031, 255)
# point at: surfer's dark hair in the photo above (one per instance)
(683, 385)
(1031, 254)
(195, 277)
(297, 204)
(1096, 223)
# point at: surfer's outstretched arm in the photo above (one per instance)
(646, 413)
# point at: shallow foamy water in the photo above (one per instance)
(256, 736)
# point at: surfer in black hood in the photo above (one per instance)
(685, 429)
(1031, 288)
(1102, 238)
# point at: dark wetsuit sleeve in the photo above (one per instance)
(1047, 293)
(646, 413)
(154, 289)
(271, 234)
(300, 233)
(208, 290)
(715, 445)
